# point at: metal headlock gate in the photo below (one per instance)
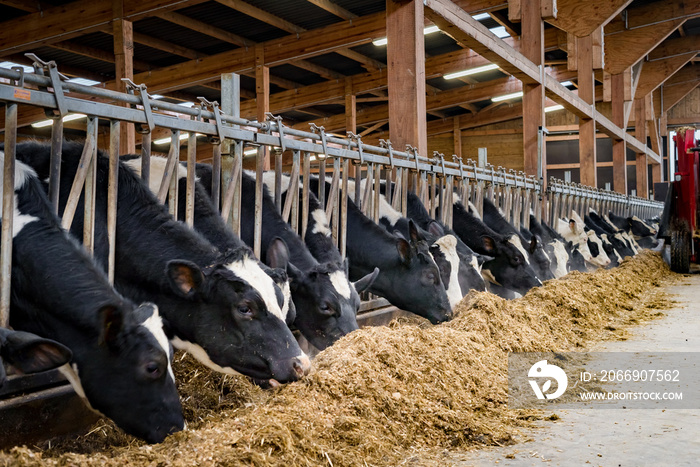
(436, 180)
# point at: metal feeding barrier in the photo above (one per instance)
(313, 153)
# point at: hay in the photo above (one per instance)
(384, 395)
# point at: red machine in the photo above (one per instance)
(680, 219)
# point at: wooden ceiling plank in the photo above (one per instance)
(688, 73)
(261, 15)
(582, 17)
(656, 72)
(73, 19)
(672, 95)
(204, 28)
(639, 16)
(674, 47)
(625, 49)
(95, 53)
(333, 8)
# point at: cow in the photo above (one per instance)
(408, 276)
(209, 223)
(554, 244)
(508, 271)
(120, 361)
(541, 264)
(642, 232)
(443, 248)
(620, 239)
(29, 353)
(209, 306)
(599, 255)
(469, 262)
(615, 247)
(572, 232)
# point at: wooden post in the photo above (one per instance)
(457, 137)
(262, 96)
(586, 91)
(640, 132)
(351, 120)
(617, 83)
(123, 34)
(406, 74)
(533, 95)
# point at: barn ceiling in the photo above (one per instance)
(315, 47)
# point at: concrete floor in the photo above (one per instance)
(639, 437)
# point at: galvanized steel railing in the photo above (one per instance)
(435, 179)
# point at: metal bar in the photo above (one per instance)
(321, 179)
(173, 189)
(344, 208)
(431, 193)
(377, 193)
(332, 195)
(112, 194)
(216, 174)
(259, 185)
(306, 170)
(278, 180)
(228, 199)
(336, 201)
(146, 157)
(238, 186)
(291, 189)
(55, 169)
(90, 189)
(293, 196)
(191, 168)
(8, 208)
(367, 195)
(170, 166)
(78, 182)
(358, 180)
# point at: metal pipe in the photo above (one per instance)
(259, 185)
(8, 208)
(112, 194)
(90, 189)
(55, 168)
(191, 168)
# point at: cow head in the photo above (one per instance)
(576, 260)
(30, 353)
(540, 260)
(599, 257)
(125, 373)
(468, 267)
(640, 228)
(326, 301)
(236, 328)
(508, 268)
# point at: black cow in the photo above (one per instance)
(408, 276)
(531, 250)
(30, 353)
(121, 357)
(211, 310)
(507, 271)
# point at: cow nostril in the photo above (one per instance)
(298, 369)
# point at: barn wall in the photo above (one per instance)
(687, 110)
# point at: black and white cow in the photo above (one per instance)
(209, 306)
(443, 248)
(620, 239)
(408, 276)
(121, 357)
(615, 247)
(576, 262)
(29, 353)
(532, 250)
(642, 232)
(508, 271)
(209, 223)
(469, 262)
(554, 244)
(595, 244)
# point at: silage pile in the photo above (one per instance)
(383, 395)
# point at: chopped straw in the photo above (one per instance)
(387, 395)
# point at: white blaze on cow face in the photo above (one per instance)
(287, 294)
(448, 247)
(601, 259)
(341, 284)
(475, 264)
(22, 173)
(154, 325)
(320, 223)
(562, 258)
(576, 235)
(650, 229)
(250, 271)
(515, 241)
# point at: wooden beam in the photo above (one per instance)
(587, 127)
(656, 72)
(262, 91)
(334, 8)
(674, 47)
(205, 28)
(619, 148)
(672, 95)
(502, 18)
(73, 19)
(94, 53)
(640, 133)
(649, 14)
(124, 69)
(582, 17)
(533, 94)
(406, 74)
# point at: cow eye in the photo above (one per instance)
(326, 309)
(245, 311)
(153, 370)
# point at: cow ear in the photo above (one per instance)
(277, 254)
(489, 243)
(112, 320)
(533, 245)
(413, 233)
(436, 229)
(366, 282)
(404, 249)
(185, 277)
(296, 276)
(30, 353)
